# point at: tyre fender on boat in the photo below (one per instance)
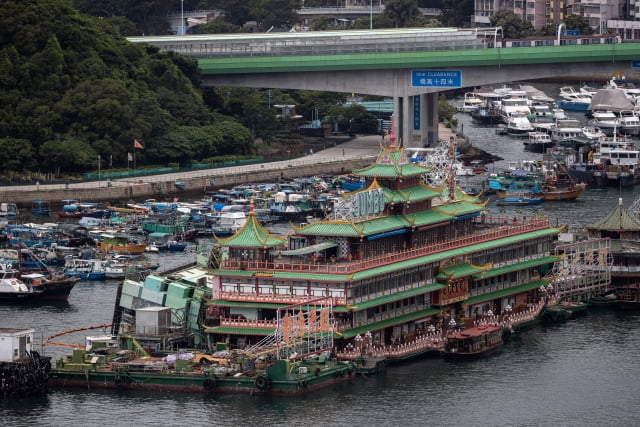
(209, 383)
(262, 382)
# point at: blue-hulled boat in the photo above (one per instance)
(519, 201)
(40, 207)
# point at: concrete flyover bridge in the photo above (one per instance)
(411, 65)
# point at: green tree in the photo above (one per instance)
(379, 21)
(403, 13)
(456, 13)
(68, 154)
(432, 23)
(513, 27)
(236, 12)
(577, 22)
(548, 30)
(275, 13)
(217, 26)
(320, 23)
(17, 154)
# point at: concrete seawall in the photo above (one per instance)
(335, 160)
(343, 158)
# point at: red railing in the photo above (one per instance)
(248, 323)
(274, 299)
(506, 227)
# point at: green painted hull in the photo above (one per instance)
(204, 382)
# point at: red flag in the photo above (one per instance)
(136, 144)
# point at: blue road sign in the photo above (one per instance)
(436, 78)
(573, 32)
(416, 113)
(635, 64)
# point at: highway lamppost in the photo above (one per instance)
(371, 14)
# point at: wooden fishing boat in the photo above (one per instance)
(127, 210)
(569, 193)
(120, 244)
(472, 342)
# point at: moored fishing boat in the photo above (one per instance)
(538, 142)
(628, 297)
(519, 201)
(50, 286)
(12, 289)
(572, 192)
(120, 244)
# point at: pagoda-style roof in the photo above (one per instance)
(252, 235)
(354, 229)
(460, 269)
(412, 194)
(620, 219)
(449, 212)
(392, 163)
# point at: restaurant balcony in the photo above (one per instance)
(494, 228)
(275, 299)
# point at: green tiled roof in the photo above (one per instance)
(239, 331)
(618, 220)
(507, 291)
(464, 196)
(427, 218)
(252, 235)
(463, 269)
(515, 267)
(391, 164)
(396, 296)
(386, 223)
(389, 322)
(347, 229)
(419, 192)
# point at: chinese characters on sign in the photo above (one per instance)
(436, 78)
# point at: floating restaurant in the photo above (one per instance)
(395, 270)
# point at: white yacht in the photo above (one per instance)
(566, 130)
(606, 120)
(629, 122)
(471, 102)
(518, 125)
(515, 101)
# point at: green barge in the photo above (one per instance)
(105, 368)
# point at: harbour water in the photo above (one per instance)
(579, 373)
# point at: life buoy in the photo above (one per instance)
(14, 283)
(209, 383)
(262, 382)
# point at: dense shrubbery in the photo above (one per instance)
(73, 91)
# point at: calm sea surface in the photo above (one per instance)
(580, 373)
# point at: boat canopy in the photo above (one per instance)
(159, 235)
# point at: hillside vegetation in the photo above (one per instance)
(73, 91)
